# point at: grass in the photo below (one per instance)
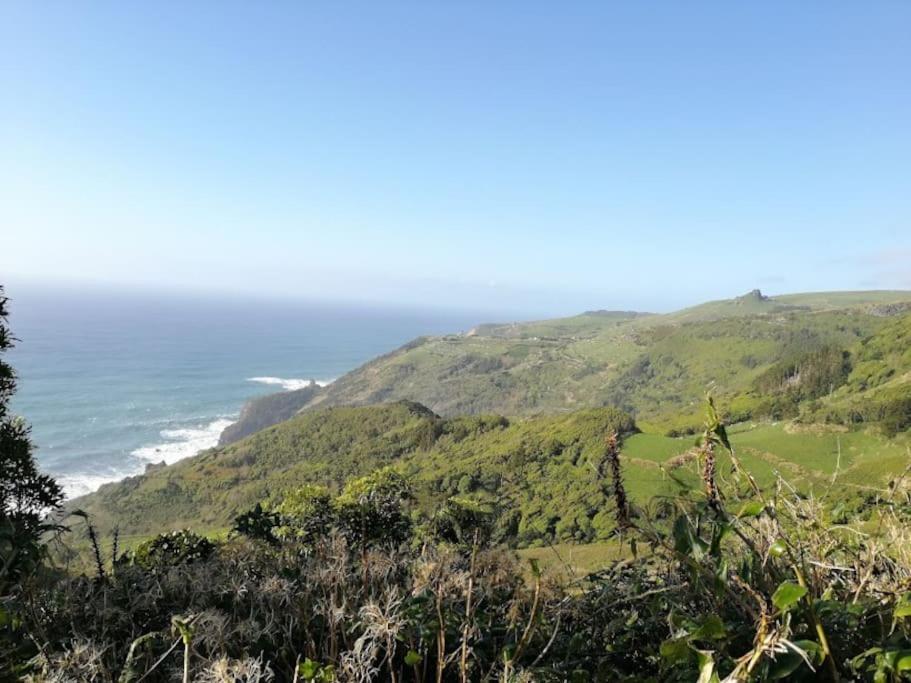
(655, 447)
(569, 561)
(657, 366)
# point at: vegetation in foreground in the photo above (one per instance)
(725, 580)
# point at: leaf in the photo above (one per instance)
(787, 595)
(682, 540)
(903, 606)
(413, 658)
(778, 548)
(784, 665)
(676, 650)
(721, 575)
(788, 662)
(811, 649)
(751, 509)
(903, 661)
(722, 435)
(706, 666)
(308, 669)
(712, 628)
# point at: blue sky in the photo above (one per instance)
(535, 157)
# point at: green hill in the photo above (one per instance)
(539, 472)
(654, 366)
(525, 462)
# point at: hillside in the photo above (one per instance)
(265, 411)
(538, 471)
(653, 366)
(526, 461)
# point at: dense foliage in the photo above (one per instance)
(725, 580)
(535, 472)
(26, 495)
(26, 498)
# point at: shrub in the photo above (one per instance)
(258, 524)
(897, 416)
(172, 549)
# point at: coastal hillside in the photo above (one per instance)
(522, 463)
(655, 367)
(539, 472)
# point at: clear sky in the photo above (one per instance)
(526, 156)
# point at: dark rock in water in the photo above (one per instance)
(266, 411)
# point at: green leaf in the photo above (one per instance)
(413, 658)
(812, 649)
(682, 540)
(751, 509)
(784, 665)
(903, 661)
(778, 548)
(308, 669)
(903, 606)
(788, 662)
(712, 628)
(721, 575)
(787, 595)
(706, 666)
(676, 650)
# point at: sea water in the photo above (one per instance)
(112, 381)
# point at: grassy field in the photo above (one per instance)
(811, 454)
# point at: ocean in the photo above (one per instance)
(111, 381)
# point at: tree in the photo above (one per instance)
(26, 495)
(371, 510)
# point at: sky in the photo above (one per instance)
(521, 156)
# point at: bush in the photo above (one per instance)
(171, 549)
(258, 524)
(897, 416)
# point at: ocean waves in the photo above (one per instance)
(176, 440)
(174, 444)
(290, 384)
(182, 443)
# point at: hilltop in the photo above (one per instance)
(655, 367)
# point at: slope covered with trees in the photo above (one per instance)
(653, 366)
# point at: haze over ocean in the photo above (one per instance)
(111, 382)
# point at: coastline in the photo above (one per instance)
(175, 443)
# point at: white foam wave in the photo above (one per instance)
(177, 444)
(183, 443)
(75, 485)
(290, 384)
